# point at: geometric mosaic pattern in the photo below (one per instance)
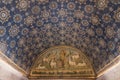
(28, 27)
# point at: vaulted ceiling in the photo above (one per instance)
(28, 27)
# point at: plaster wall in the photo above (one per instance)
(111, 74)
(9, 73)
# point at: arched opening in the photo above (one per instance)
(62, 62)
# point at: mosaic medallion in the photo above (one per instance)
(85, 22)
(12, 43)
(4, 15)
(78, 14)
(3, 46)
(106, 18)
(70, 19)
(102, 43)
(62, 12)
(39, 23)
(17, 18)
(117, 15)
(110, 32)
(99, 31)
(35, 9)
(45, 14)
(23, 5)
(95, 20)
(62, 24)
(111, 45)
(53, 5)
(14, 30)
(21, 42)
(89, 8)
(2, 31)
(71, 6)
(76, 25)
(25, 31)
(90, 32)
(29, 20)
(102, 4)
(54, 19)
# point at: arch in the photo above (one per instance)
(62, 62)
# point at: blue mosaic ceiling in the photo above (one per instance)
(28, 27)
